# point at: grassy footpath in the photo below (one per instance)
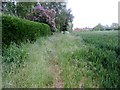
(70, 51)
(61, 61)
(41, 55)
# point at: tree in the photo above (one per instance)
(8, 8)
(99, 27)
(20, 9)
(114, 26)
(62, 14)
(40, 14)
(23, 8)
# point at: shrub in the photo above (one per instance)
(17, 29)
(40, 14)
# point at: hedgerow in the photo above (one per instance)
(16, 30)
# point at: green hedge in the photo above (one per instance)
(16, 29)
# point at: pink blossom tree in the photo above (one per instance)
(47, 16)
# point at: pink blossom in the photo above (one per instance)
(39, 7)
(44, 15)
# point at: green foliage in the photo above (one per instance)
(17, 29)
(85, 59)
(21, 9)
(64, 18)
(26, 66)
(14, 56)
(62, 14)
(103, 55)
(98, 27)
(70, 53)
(14, 53)
(106, 66)
(114, 26)
(8, 8)
(42, 15)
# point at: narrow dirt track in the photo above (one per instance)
(55, 69)
(58, 81)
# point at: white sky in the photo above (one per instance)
(91, 12)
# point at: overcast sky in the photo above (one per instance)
(91, 12)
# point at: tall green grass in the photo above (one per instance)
(29, 67)
(84, 59)
(103, 53)
(34, 70)
(71, 51)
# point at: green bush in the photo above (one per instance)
(14, 56)
(17, 29)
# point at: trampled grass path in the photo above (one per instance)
(55, 68)
(63, 73)
(51, 63)
(61, 61)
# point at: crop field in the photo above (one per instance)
(87, 59)
(103, 56)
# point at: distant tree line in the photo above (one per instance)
(99, 27)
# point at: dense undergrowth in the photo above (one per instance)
(26, 65)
